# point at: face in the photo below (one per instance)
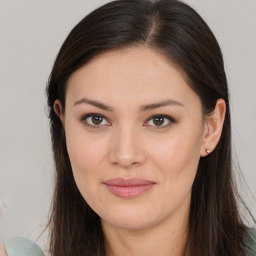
(134, 132)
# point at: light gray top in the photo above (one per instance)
(19, 246)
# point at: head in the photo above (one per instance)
(119, 62)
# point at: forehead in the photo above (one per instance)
(126, 63)
(135, 74)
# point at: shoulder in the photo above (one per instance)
(250, 242)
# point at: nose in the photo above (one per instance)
(126, 148)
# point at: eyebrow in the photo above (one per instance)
(167, 102)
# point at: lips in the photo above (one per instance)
(128, 187)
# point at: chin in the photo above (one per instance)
(130, 224)
(132, 220)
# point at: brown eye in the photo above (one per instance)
(158, 121)
(94, 120)
(161, 121)
(97, 120)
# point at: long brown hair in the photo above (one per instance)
(176, 30)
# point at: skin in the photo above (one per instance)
(129, 143)
(2, 250)
(2, 247)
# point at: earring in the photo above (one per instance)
(207, 150)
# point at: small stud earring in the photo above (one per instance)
(208, 151)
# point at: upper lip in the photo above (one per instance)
(127, 182)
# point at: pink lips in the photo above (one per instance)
(128, 187)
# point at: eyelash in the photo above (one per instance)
(169, 118)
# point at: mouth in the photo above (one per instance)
(128, 187)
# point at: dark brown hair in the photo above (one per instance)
(176, 30)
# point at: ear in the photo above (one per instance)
(213, 128)
(58, 109)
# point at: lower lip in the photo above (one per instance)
(129, 191)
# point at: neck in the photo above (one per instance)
(167, 238)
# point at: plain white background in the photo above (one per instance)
(31, 33)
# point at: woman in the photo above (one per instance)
(140, 125)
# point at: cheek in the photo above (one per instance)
(178, 156)
(85, 150)
(176, 160)
(86, 157)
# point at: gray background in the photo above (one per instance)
(31, 33)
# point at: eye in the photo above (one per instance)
(94, 120)
(161, 121)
